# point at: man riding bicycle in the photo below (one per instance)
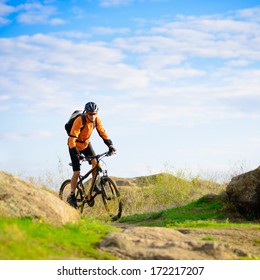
(79, 143)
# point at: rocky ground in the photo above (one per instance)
(20, 199)
(163, 243)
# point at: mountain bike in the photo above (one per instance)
(101, 185)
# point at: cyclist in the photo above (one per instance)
(79, 143)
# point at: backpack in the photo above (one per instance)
(72, 118)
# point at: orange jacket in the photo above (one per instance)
(81, 139)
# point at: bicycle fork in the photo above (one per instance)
(112, 192)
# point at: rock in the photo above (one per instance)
(244, 192)
(155, 243)
(21, 199)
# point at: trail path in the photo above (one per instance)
(135, 242)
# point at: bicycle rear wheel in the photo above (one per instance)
(111, 198)
(65, 191)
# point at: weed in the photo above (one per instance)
(208, 238)
(257, 242)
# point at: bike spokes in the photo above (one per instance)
(65, 191)
(111, 199)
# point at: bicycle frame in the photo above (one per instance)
(97, 169)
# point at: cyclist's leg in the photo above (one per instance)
(74, 179)
(89, 151)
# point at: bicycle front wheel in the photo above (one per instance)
(111, 198)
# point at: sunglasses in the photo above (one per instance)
(92, 114)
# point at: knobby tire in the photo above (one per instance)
(111, 198)
(65, 190)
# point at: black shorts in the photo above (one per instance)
(75, 160)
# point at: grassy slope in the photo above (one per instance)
(201, 213)
(27, 239)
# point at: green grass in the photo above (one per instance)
(201, 213)
(208, 238)
(23, 238)
(194, 211)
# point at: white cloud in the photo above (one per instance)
(5, 11)
(251, 14)
(170, 65)
(239, 62)
(14, 136)
(111, 3)
(72, 34)
(54, 67)
(4, 97)
(199, 37)
(3, 21)
(114, 3)
(109, 31)
(35, 12)
(78, 12)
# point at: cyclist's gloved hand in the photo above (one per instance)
(112, 149)
(81, 157)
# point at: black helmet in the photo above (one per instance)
(91, 107)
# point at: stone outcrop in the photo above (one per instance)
(155, 243)
(21, 199)
(244, 192)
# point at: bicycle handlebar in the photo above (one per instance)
(97, 157)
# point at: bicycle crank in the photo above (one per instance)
(91, 202)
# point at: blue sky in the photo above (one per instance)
(177, 83)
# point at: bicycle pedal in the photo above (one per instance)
(91, 202)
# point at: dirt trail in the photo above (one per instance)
(246, 239)
(191, 244)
